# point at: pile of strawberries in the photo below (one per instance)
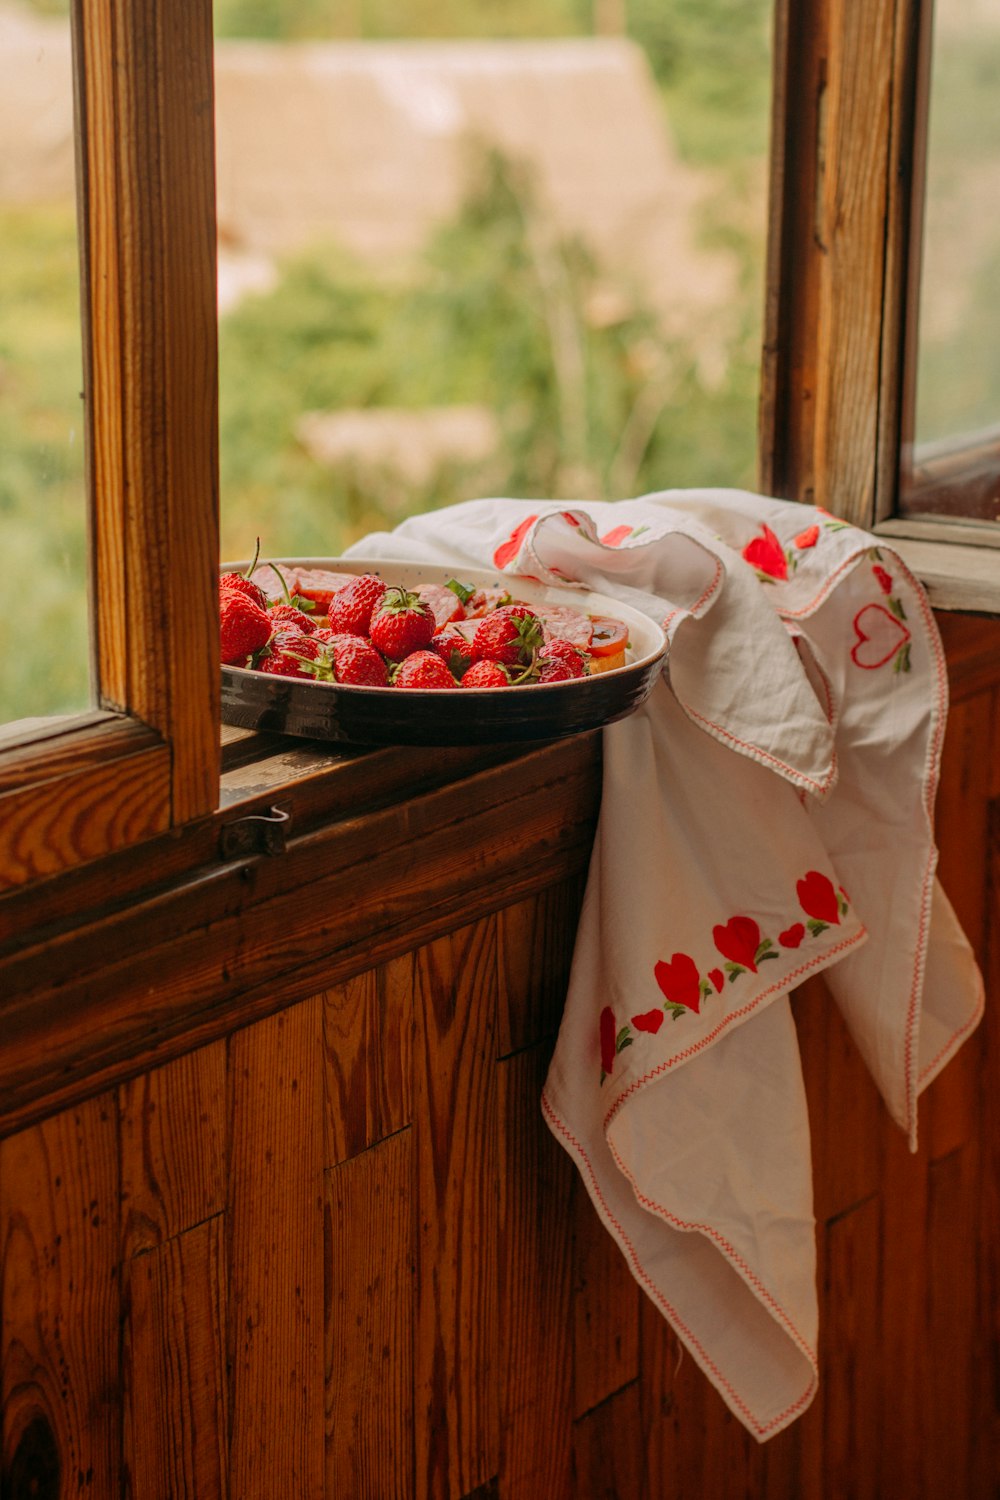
(377, 635)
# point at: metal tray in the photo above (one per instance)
(468, 716)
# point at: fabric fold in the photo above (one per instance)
(767, 814)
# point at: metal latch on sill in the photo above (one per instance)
(258, 833)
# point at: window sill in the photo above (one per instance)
(957, 576)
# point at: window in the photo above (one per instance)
(835, 404)
(147, 757)
(951, 403)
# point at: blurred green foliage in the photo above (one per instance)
(591, 399)
(44, 654)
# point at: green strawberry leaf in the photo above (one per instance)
(463, 592)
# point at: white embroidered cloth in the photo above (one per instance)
(767, 814)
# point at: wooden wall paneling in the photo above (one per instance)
(846, 1112)
(535, 1289)
(370, 1308)
(60, 1420)
(608, 1453)
(984, 1252)
(456, 1418)
(950, 1108)
(606, 1301)
(952, 1311)
(172, 1127)
(852, 1371)
(233, 942)
(901, 1347)
(368, 1041)
(176, 1426)
(275, 1256)
(535, 947)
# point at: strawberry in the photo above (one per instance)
(511, 634)
(236, 583)
(401, 624)
(486, 674)
(349, 660)
(290, 654)
(243, 584)
(422, 669)
(351, 607)
(454, 649)
(289, 617)
(244, 628)
(558, 661)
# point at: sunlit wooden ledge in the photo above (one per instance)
(957, 576)
(132, 960)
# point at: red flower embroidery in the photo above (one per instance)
(717, 978)
(738, 941)
(569, 518)
(607, 1039)
(650, 1020)
(508, 550)
(884, 579)
(766, 554)
(679, 980)
(818, 898)
(615, 535)
(792, 936)
(807, 538)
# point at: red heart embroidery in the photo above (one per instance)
(680, 981)
(817, 897)
(650, 1020)
(508, 550)
(738, 941)
(717, 978)
(792, 936)
(807, 538)
(879, 636)
(766, 553)
(615, 535)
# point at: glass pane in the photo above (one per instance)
(958, 356)
(44, 648)
(470, 248)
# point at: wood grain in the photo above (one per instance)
(81, 815)
(535, 1288)
(851, 230)
(60, 1416)
(175, 1396)
(608, 1454)
(454, 1095)
(272, 930)
(535, 940)
(850, 1368)
(606, 1302)
(172, 1133)
(370, 1301)
(152, 401)
(842, 1095)
(368, 1041)
(275, 1259)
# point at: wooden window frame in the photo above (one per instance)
(148, 758)
(848, 133)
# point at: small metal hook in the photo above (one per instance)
(258, 833)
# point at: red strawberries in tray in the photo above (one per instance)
(357, 630)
